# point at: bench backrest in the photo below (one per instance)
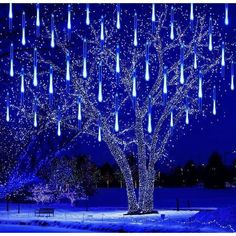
(46, 210)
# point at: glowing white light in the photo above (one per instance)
(226, 14)
(135, 30)
(59, 128)
(214, 107)
(100, 98)
(51, 81)
(186, 116)
(153, 13)
(195, 58)
(210, 47)
(52, 32)
(8, 114)
(232, 83)
(99, 134)
(79, 111)
(149, 122)
(147, 76)
(102, 30)
(87, 15)
(182, 73)
(191, 12)
(200, 93)
(23, 40)
(22, 89)
(11, 60)
(171, 119)
(37, 16)
(165, 81)
(134, 92)
(67, 67)
(223, 54)
(117, 60)
(10, 11)
(35, 119)
(118, 17)
(84, 68)
(69, 18)
(172, 36)
(35, 80)
(116, 121)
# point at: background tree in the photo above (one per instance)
(215, 174)
(132, 93)
(190, 173)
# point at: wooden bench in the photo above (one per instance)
(44, 212)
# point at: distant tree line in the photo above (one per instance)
(77, 178)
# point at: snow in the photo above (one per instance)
(97, 219)
(210, 211)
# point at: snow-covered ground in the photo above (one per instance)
(201, 210)
(68, 219)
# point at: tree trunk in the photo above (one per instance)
(148, 204)
(132, 199)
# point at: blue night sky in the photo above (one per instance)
(206, 135)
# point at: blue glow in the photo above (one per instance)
(147, 75)
(59, 128)
(51, 81)
(171, 119)
(52, 32)
(118, 16)
(117, 59)
(223, 54)
(87, 15)
(35, 81)
(186, 116)
(135, 30)
(11, 60)
(195, 57)
(100, 97)
(153, 13)
(232, 77)
(85, 59)
(191, 12)
(10, 15)
(200, 93)
(149, 115)
(134, 92)
(182, 64)
(69, 17)
(37, 15)
(8, 108)
(102, 37)
(22, 87)
(99, 129)
(214, 101)
(99, 134)
(116, 114)
(67, 66)
(79, 109)
(165, 80)
(210, 47)
(35, 119)
(226, 14)
(172, 36)
(23, 40)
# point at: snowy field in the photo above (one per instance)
(195, 218)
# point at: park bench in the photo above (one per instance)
(44, 212)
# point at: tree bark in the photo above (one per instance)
(148, 205)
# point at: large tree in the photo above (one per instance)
(131, 79)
